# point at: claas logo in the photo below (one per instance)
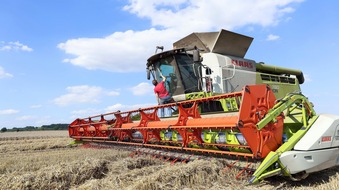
(326, 138)
(242, 63)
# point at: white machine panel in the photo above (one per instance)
(229, 73)
(309, 161)
(324, 133)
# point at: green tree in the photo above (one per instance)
(4, 129)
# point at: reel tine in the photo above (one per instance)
(244, 169)
(230, 165)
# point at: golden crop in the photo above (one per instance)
(45, 160)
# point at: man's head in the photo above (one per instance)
(154, 82)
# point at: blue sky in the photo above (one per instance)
(64, 59)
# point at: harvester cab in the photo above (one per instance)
(228, 107)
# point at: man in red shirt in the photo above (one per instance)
(160, 91)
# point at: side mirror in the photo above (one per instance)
(208, 71)
(148, 74)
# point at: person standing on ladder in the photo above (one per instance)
(161, 94)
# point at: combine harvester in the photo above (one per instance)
(225, 106)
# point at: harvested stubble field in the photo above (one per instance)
(44, 160)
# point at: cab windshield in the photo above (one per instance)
(182, 75)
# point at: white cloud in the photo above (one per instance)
(121, 107)
(8, 46)
(84, 113)
(142, 89)
(113, 93)
(82, 94)
(45, 120)
(114, 108)
(307, 78)
(119, 52)
(26, 117)
(8, 112)
(272, 37)
(206, 14)
(171, 20)
(36, 106)
(3, 74)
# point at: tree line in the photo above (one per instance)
(59, 126)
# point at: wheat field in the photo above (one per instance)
(45, 160)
